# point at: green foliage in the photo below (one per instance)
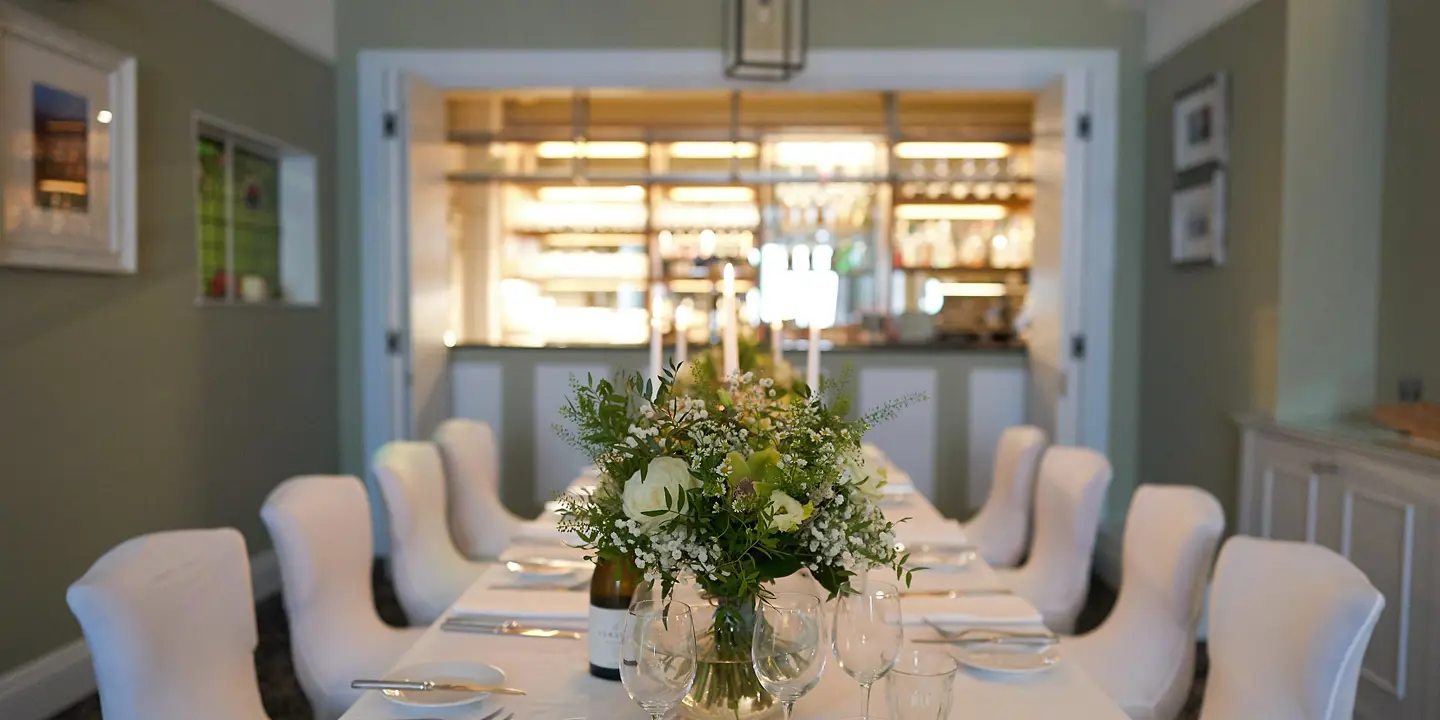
(745, 442)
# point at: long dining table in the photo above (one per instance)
(554, 673)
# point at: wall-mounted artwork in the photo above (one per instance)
(1202, 123)
(67, 180)
(1197, 221)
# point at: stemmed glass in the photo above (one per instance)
(657, 655)
(786, 649)
(867, 637)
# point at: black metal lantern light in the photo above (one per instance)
(765, 39)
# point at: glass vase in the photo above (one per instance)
(725, 684)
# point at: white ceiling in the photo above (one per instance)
(1173, 24)
(1169, 24)
(306, 24)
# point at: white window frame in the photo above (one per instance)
(299, 214)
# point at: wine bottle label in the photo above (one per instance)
(607, 627)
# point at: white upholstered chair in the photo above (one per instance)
(320, 525)
(429, 572)
(479, 522)
(1068, 497)
(1289, 623)
(1002, 527)
(170, 621)
(1143, 655)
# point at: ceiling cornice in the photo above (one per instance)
(306, 24)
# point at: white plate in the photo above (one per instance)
(1016, 659)
(530, 571)
(443, 672)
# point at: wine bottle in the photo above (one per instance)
(611, 588)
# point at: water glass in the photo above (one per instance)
(786, 649)
(657, 655)
(867, 636)
(920, 686)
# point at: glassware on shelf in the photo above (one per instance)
(959, 190)
(1004, 190)
(982, 191)
(974, 251)
(993, 168)
(968, 169)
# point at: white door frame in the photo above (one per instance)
(829, 69)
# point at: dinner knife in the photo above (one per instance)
(429, 686)
(479, 628)
(1015, 639)
(958, 593)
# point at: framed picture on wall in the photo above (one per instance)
(1202, 123)
(67, 108)
(1197, 221)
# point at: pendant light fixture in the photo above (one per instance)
(766, 39)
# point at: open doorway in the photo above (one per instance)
(421, 295)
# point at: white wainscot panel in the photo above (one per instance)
(557, 464)
(909, 439)
(477, 393)
(997, 402)
(1378, 535)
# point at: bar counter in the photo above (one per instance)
(974, 391)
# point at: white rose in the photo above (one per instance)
(787, 511)
(858, 471)
(647, 495)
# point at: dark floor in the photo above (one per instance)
(285, 701)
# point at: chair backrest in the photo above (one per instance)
(1171, 535)
(479, 522)
(429, 571)
(1289, 624)
(170, 621)
(320, 525)
(1068, 498)
(1002, 527)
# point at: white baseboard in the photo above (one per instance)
(62, 677)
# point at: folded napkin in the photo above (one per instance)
(898, 489)
(972, 610)
(897, 477)
(543, 531)
(521, 552)
(483, 599)
(932, 532)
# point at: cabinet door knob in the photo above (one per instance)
(1324, 467)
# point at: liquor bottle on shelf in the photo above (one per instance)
(611, 589)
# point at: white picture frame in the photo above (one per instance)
(68, 179)
(1201, 117)
(1198, 222)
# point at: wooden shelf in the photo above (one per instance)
(962, 269)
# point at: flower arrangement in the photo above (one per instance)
(732, 486)
(728, 485)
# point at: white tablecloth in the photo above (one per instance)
(554, 672)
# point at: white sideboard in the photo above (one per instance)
(1374, 498)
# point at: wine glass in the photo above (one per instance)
(867, 635)
(786, 647)
(657, 655)
(921, 686)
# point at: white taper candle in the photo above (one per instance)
(731, 323)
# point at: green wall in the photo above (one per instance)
(1209, 333)
(124, 408)
(586, 24)
(1330, 229)
(1410, 253)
